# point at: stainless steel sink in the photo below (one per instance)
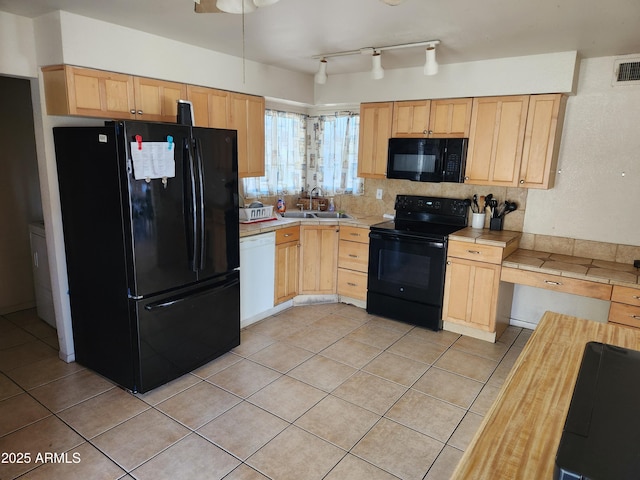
(314, 214)
(295, 214)
(331, 215)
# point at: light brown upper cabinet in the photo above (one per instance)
(88, 93)
(411, 118)
(96, 93)
(542, 140)
(246, 115)
(156, 100)
(496, 140)
(448, 118)
(210, 106)
(375, 131)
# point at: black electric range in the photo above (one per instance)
(407, 259)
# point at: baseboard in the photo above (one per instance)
(520, 323)
(16, 308)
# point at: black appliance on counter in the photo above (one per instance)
(407, 259)
(427, 159)
(602, 430)
(152, 263)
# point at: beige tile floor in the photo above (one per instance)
(315, 392)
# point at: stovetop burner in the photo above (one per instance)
(432, 217)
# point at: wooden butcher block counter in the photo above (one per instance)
(519, 436)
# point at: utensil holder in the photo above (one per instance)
(496, 223)
(477, 220)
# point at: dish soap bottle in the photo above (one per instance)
(332, 206)
(281, 206)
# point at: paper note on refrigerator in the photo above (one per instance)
(153, 160)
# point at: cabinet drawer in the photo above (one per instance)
(289, 234)
(473, 251)
(352, 284)
(353, 255)
(354, 234)
(625, 314)
(601, 291)
(628, 295)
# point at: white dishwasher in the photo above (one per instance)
(257, 273)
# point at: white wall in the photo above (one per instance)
(17, 46)
(549, 73)
(597, 193)
(93, 43)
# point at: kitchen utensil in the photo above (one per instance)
(475, 203)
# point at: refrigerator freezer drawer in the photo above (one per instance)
(182, 331)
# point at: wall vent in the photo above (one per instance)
(626, 71)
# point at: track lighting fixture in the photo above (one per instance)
(321, 75)
(377, 72)
(431, 64)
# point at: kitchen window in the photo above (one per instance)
(302, 152)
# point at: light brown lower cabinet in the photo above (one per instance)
(318, 259)
(287, 264)
(353, 262)
(476, 302)
(625, 306)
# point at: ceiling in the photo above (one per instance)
(290, 32)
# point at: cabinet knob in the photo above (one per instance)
(132, 111)
(139, 112)
(521, 182)
(466, 178)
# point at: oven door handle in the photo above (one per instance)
(410, 238)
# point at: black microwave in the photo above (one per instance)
(427, 159)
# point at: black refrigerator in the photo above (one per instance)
(150, 221)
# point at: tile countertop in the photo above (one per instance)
(248, 229)
(582, 268)
(484, 236)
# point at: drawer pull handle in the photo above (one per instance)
(287, 235)
(549, 282)
(474, 252)
(353, 256)
(354, 234)
(635, 317)
(351, 284)
(636, 297)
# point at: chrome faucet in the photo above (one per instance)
(311, 197)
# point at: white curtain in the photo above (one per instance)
(304, 152)
(284, 157)
(333, 154)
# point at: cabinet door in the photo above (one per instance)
(470, 293)
(319, 259)
(246, 115)
(210, 106)
(411, 119)
(287, 266)
(542, 140)
(89, 93)
(156, 100)
(375, 130)
(450, 118)
(496, 140)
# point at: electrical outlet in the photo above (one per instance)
(379, 194)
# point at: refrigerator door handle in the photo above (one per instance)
(200, 263)
(192, 208)
(168, 302)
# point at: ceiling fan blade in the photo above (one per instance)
(206, 6)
